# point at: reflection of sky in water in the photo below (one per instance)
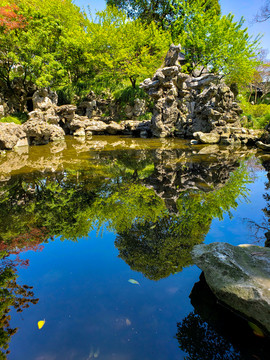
(236, 230)
(87, 301)
(92, 311)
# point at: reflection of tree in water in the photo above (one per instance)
(11, 295)
(212, 332)
(161, 247)
(158, 249)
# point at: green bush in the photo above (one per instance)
(258, 115)
(129, 94)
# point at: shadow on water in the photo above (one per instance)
(159, 197)
(212, 331)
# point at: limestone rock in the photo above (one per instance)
(114, 128)
(2, 111)
(207, 138)
(134, 127)
(261, 145)
(39, 132)
(172, 55)
(239, 277)
(96, 127)
(12, 135)
(185, 104)
(43, 99)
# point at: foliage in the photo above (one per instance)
(9, 17)
(214, 41)
(159, 11)
(259, 86)
(46, 51)
(257, 114)
(129, 94)
(122, 49)
(10, 119)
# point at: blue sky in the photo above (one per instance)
(246, 8)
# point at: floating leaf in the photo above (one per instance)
(256, 330)
(128, 322)
(96, 354)
(135, 282)
(41, 324)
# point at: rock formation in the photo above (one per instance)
(239, 277)
(12, 135)
(185, 105)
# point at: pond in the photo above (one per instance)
(96, 239)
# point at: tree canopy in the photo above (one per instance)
(122, 49)
(215, 42)
(159, 11)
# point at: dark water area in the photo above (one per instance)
(96, 239)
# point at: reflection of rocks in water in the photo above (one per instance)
(177, 171)
(213, 332)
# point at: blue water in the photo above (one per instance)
(90, 308)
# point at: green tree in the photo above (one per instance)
(121, 49)
(215, 42)
(159, 11)
(45, 51)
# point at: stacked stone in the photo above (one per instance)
(185, 104)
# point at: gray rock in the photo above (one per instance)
(184, 104)
(261, 145)
(12, 135)
(207, 138)
(114, 128)
(239, 277)
(96, 127)
(79, 132)
(171, 58)
(39, 132)
(139, 107)
(44, 99)
(2, 111)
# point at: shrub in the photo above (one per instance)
(258, 115)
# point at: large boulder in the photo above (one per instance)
(12, 135)
(239, 277)
(44, 99)
(40, 132)
(207, 138)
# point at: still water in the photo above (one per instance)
(95, 239)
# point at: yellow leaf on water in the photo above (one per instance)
(41, 324)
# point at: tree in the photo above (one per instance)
(121, 49)
(37, 48)
(159, 11)
(9, 17)
(215, 42)
(264, 13)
